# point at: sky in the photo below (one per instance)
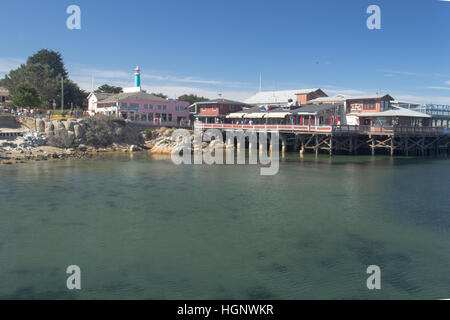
(212, 47)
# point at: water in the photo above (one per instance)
(143, 228)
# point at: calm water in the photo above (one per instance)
(146, 229)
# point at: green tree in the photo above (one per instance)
(39, 76)
(26, 96)
(161, 95)
(44, 71)
(72, 95)
(109, 89)
(50, 58)
(192, 98)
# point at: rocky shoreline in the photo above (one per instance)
(43, 140)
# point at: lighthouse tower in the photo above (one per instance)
(137, 82)
(137, 77)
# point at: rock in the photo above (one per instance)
(40, 125)
(49, 129)
(69, 125)
(78, 131)
(134, 148)
(70, 137)
(58, 125)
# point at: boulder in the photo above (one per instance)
(69, 125)
(78, 131)
(58, 125)
(40, 125)
(134, 148)
(49, 129)
(70, 137)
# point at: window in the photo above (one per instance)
(150, 107)
(370, 106)
(164, 107)
(231, 108)
(214, 108)
(159, 107)
(164, 117)
(355, 108)
(170, 117)
(134, 105)
(143, 116)
(203, 108)
(124, 105)
(150, 117)
(145, 106)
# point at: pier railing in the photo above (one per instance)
(338, 129)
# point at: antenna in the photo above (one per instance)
(260, 82)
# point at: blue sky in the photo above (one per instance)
(217, 46)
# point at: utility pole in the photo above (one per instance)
(260, 82)
(62, 94)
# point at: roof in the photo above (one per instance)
(4, 91)
(101, 95)
(220, 101)
(268, 97)
(396, 112)
(343, 97)
(192, 107)
(257, 112)
(313, 108)
(112, 98)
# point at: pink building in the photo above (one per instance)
(140, 107)
(136, 105)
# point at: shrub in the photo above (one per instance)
(148, 134)
(99, 131)
(60, 139)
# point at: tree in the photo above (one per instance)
(44, 71)
(73, 95)
(51, 58)
(37, 75)
(192, 98)
(26, 96)
(108, 89)
(161, 95)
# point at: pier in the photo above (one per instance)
(348, 139)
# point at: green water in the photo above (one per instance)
(141, 228)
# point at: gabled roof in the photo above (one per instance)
(100, 95)
(343, 97)
(112, 98)
(219, 101)
(274, 97)
(313, 108)
(257, 112)
(193, 106)
(374, 96)
(396, 112)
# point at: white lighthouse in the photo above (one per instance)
(137, 82)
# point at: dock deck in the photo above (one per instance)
(351, 139)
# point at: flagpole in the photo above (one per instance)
(62, 94)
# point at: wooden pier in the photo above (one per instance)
(345, 139)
